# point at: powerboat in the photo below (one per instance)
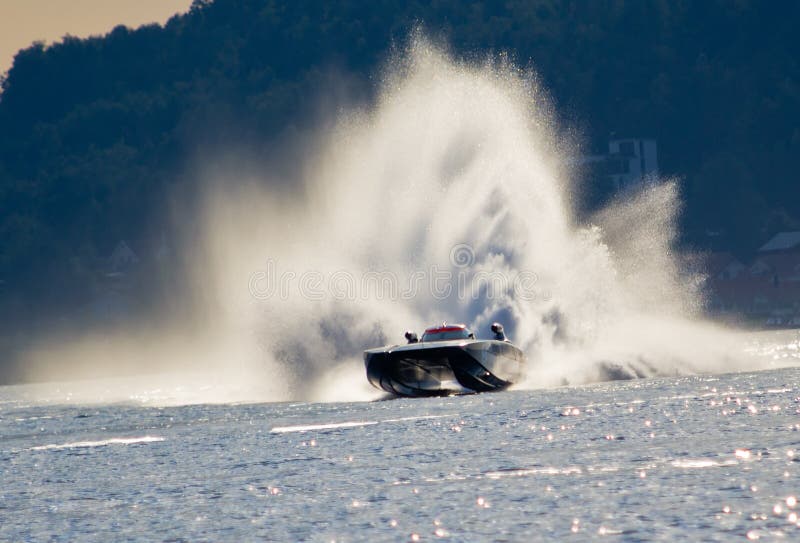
(447, 359)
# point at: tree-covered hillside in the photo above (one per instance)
(94, 131)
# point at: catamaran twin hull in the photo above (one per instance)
(440, 368)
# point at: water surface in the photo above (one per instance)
(702, 457)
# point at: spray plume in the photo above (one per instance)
(447, 200)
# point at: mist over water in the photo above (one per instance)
(456, 176)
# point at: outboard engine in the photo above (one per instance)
(499, 332)
(412, 337)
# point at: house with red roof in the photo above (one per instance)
(767, 290)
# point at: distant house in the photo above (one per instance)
(723, 266)
(729, 284)
(122, 258)
(767, 290)
(760, 268)
(777, 268)
(782, 241)
(630, 163)
(115, 295)
(778, 260)
(634, 161)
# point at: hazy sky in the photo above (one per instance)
(24, 21)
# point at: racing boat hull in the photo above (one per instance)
(445, 367)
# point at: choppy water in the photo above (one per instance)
(703, 458)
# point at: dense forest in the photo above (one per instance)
(95, 132)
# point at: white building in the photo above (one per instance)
(629, 164)
(634, 161)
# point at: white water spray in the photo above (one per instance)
(455, 178)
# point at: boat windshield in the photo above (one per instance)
(445, 335)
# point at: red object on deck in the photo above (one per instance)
(446, 328)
